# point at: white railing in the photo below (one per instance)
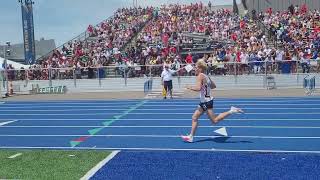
(287, 74)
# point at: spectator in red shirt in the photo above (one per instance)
(189, 59)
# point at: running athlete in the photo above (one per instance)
(204, 85)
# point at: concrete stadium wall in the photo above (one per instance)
(137, 84)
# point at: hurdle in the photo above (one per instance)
(309, 84)
(148, 86)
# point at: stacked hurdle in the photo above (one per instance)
(148, 86)
(309, 84)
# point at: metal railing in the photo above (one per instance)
(251, 74)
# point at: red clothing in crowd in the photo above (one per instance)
(189, 59)
(234, 36)
(173, 50)
(165, 39)
(242, 24)
(201, 28)
(238, 56)
(165, 51)
(90, 29)
(304, 8)
(269, 11)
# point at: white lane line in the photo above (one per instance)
(7, 122)
(15, 155)
(146, 109)
(55, 114)
(165, 102)
(164, 149)
(190, 113)
(147, 113)
(96, 168)
(152, 119)
(48, 119)
(233, 119)
(12, 106)
(239, 101)
(272, 127)
(59, 110)
(171, 136)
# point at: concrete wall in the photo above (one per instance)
(137, 84)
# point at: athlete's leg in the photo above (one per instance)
(198, 112)
(216, 118)
(196, 115)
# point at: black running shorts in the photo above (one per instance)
(206, 105)
(167, 85)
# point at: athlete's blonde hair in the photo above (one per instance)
(202, 64)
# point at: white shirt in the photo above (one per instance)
(279, 55)
(205, 92)
(167, 74)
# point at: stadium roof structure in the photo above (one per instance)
(14, 64)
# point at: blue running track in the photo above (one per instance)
(277, 138)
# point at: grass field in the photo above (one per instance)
(41, 164)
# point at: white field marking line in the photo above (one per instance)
(271, 127)
(236, 101)
(141, 109)
(163, 149)
(145, 113)
(159, 105)
(15, 155)
(161, 102)
(61, 110)
(46, 119)
(182, 99)
(45, 114)
(151, 119)
(96, 168)
(7, 122)
(190, 113)
(171, 136)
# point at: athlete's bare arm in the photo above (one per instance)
(197, 87)
(213, 85)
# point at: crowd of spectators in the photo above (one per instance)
(297, 31)
(101, 46)
(231, 44)
(167, 35)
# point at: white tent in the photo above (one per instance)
(14, 64)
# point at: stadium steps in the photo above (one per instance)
(132, 42)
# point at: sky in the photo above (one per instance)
(63, 20)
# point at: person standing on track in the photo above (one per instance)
(204, 85)
(166, 80)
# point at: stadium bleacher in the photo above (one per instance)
(231, 44)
